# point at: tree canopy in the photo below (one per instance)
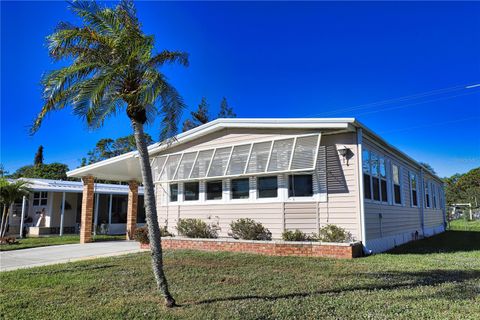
(108, 148)
(463, 188)
(38, 160)
(202, 116)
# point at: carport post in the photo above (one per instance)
(132, 208)
(110, 212)
(24, 208)
(62, 214)
(87, 209)
(95, 223)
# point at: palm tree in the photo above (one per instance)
(113, 68)
(9, 193)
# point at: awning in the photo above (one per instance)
(292, 154)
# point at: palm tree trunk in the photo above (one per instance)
(5, 221)
(151, 213)
(4, 215)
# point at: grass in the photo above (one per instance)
(436, 278)
(53, 241)
(465, 225)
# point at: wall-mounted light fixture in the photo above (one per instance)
(346, 153)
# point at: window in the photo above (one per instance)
(375, 179)
(267, 187)
(191, 191)
(367, 187)
(434, 194)
(214, 190)
(40, 198)
(383, 180)
(397, 189)
(427, 195)
(300, 185)
(173, 192)
(413, 190)
(240, 188)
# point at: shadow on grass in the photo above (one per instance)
(388, 281)
(448, 241)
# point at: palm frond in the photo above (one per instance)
(170, 57)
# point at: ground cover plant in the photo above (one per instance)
(465, 225)
(435, 278)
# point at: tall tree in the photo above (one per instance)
(225, 110)
(9, 193)
(111, 67)
(54, 171)
(199, 117)
(107, 148)
(38, 157)
(428, 166)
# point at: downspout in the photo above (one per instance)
(422, 202)
(361, 194)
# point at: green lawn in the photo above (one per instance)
(437, 278)
(465, 225)
(53, 241)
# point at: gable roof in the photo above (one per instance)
(126, 166)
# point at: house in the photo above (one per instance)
(54, 207)
(287, 174)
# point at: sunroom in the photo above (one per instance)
(281, 169)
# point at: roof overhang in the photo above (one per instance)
(127, 167)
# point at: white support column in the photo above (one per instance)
(24, 208)
(62, 214)
(110, 210)
(95, 220)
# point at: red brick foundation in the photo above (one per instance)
(271, 248)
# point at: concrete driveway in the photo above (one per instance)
(27, 258)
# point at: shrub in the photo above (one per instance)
(141, 234)
(333, 233)
(8, 240)
(248, 229)
(196, 228)
(296, 235)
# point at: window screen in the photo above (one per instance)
(219, 162)
(304, 153)
(259, 157)
(413, 186)
(158, 166)
(201, 164)
(238, 160)
(185, 166)
(397, 190)
(281, 154)
(170, 167)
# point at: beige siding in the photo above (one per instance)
(269, 214)
(386, 220)
(340, 207)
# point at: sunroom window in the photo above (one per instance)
(375, 179)
(267, 187)
(191, 190)
(300, 185)
(427, 195)
(214, 190)
(240, 188)
(367, 186)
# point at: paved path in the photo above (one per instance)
(34, 257)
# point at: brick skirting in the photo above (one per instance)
(271, 248)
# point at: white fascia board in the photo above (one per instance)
(82, 171)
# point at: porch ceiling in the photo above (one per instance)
(125, 167)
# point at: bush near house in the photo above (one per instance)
(296, 235)
(141, 234)
(248, 229)
(333, 233)
(196, 228)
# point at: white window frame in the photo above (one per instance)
(400, 184)
(299, 198)
(40, 198)
(410, 173)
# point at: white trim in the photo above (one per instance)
(62, 214)
(360, 186)
(293, 152)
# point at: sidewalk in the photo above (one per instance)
(34, 257)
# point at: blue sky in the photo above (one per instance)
(276, 60)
